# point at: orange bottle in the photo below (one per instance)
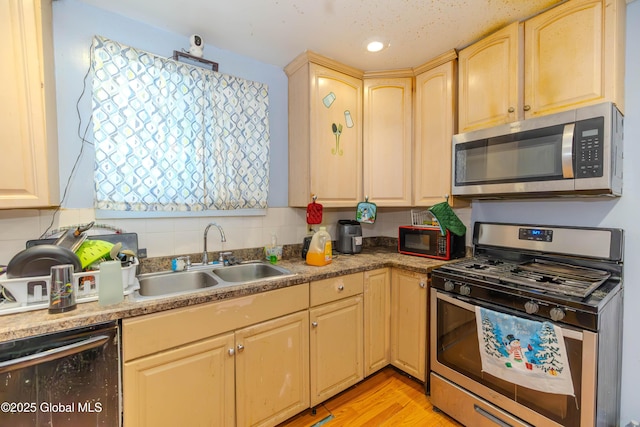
(320, 251)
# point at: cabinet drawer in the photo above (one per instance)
(327, 290)
(467, 408)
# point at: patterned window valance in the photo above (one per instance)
(173, 137)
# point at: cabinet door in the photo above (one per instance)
(28, 135)
(336, 137)
(190, 385)
(377, 318)
(573, 56)
(490, 80)
(409, 322)
(387, 141)
(272, 370)
(336, 343)
(434, 128)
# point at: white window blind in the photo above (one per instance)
(175, 137)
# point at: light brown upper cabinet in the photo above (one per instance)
(574, 56)
(387, 138)
(490, 88)
(566, 57)
(325, 132)
(434, 126)
(28, 130)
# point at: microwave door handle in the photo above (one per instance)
(567, 150)
(53, 354)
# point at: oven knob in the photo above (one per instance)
(465, 290)
(449, 286)
(556, 314)
(531, 307)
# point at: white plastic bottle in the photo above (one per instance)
(110, 288)
(319, 253)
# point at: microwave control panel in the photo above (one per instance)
(588, 148)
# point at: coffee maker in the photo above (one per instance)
(349, 237)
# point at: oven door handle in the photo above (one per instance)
(491, 417)
(53, 354)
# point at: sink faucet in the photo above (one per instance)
(205, 256)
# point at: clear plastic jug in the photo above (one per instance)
(319, 253)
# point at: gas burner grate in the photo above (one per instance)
(484, 268)
(539, 276)
(557, 278)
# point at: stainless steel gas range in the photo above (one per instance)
(529, 330)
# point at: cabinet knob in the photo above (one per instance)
(527, 108)
(423, 285)
(511, 109)
(231, 352)
(240, 348)
(314, 324)
(341, 287)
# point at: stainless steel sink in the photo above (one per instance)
(156, 284)
(249, 272)
(198, 278)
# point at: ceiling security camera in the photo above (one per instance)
(196, 45)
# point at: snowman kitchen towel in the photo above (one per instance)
(524, 352)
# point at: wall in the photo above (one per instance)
(75, 24)
(616, 212)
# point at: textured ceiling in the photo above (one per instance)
(276, 31)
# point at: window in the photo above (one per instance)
(173, 137)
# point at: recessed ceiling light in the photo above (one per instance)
(376, 44)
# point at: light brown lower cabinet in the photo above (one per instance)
(336, 337)
(191, 385)
(238, 362)
(272, 370)
(261, 359)
(377, 319)
(336, 344)
(409, 322)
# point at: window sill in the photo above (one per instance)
(105, 214)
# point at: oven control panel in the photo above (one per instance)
(536, 234)
(542, 310)
(589, 149)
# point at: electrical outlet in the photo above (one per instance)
(142, 253)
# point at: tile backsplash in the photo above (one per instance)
(176, 236)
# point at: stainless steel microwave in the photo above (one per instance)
(576, 152)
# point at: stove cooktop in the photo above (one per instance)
(508, 285)
(537, 275)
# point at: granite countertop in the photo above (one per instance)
(38, 322)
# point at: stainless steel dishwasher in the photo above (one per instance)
(70, 378)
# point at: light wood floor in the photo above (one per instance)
(387, 398)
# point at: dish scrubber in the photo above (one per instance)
(92, 251)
